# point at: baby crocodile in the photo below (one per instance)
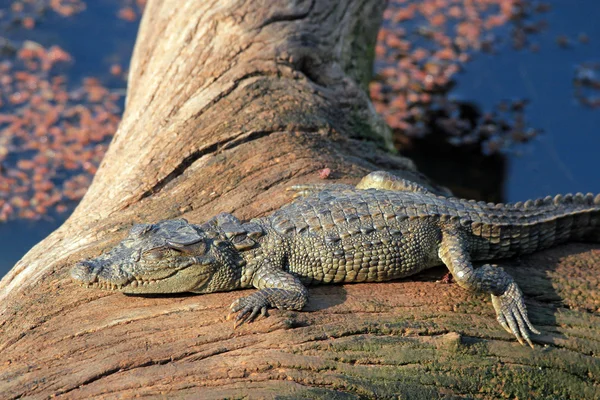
(384, 228)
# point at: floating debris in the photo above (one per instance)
(586, 83)
(53, 134)
(27, 13)
(131, 10)
(422, 46)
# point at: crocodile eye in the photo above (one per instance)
(158, 253)
(197, 248)
(140, 230)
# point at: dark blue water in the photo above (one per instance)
(565, 157)
(562, 159)
(96, 39)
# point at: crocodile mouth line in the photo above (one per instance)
(134, 283)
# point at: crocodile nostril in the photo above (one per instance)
(84, 272)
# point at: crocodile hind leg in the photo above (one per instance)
(277, 289)
(386, 181)
(381, 180)
(307, 189)
(507, 298)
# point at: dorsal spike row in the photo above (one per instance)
(577, 198)
(589, 198)
(558, 199)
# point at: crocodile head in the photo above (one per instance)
(167, 257)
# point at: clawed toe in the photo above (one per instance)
(247, 309)
(512, 314)
(249, 314)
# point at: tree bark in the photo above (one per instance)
(228, 103)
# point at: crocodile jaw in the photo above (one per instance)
(99, 273)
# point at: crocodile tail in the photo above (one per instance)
(584, 212)
(594, 231)
(571, 218)
(521, 228)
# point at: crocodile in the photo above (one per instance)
(382, 229)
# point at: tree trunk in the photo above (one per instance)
(228, 103)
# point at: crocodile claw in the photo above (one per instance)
(512, 314)
(248, 308)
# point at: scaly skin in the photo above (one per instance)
(385, 228)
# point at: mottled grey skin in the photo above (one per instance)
(385, 228)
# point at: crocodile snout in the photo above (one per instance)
(85, 272)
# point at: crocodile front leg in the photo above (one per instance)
(277, 289)
(507, 298)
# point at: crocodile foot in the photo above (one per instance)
(512, 314)
(248, 308)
